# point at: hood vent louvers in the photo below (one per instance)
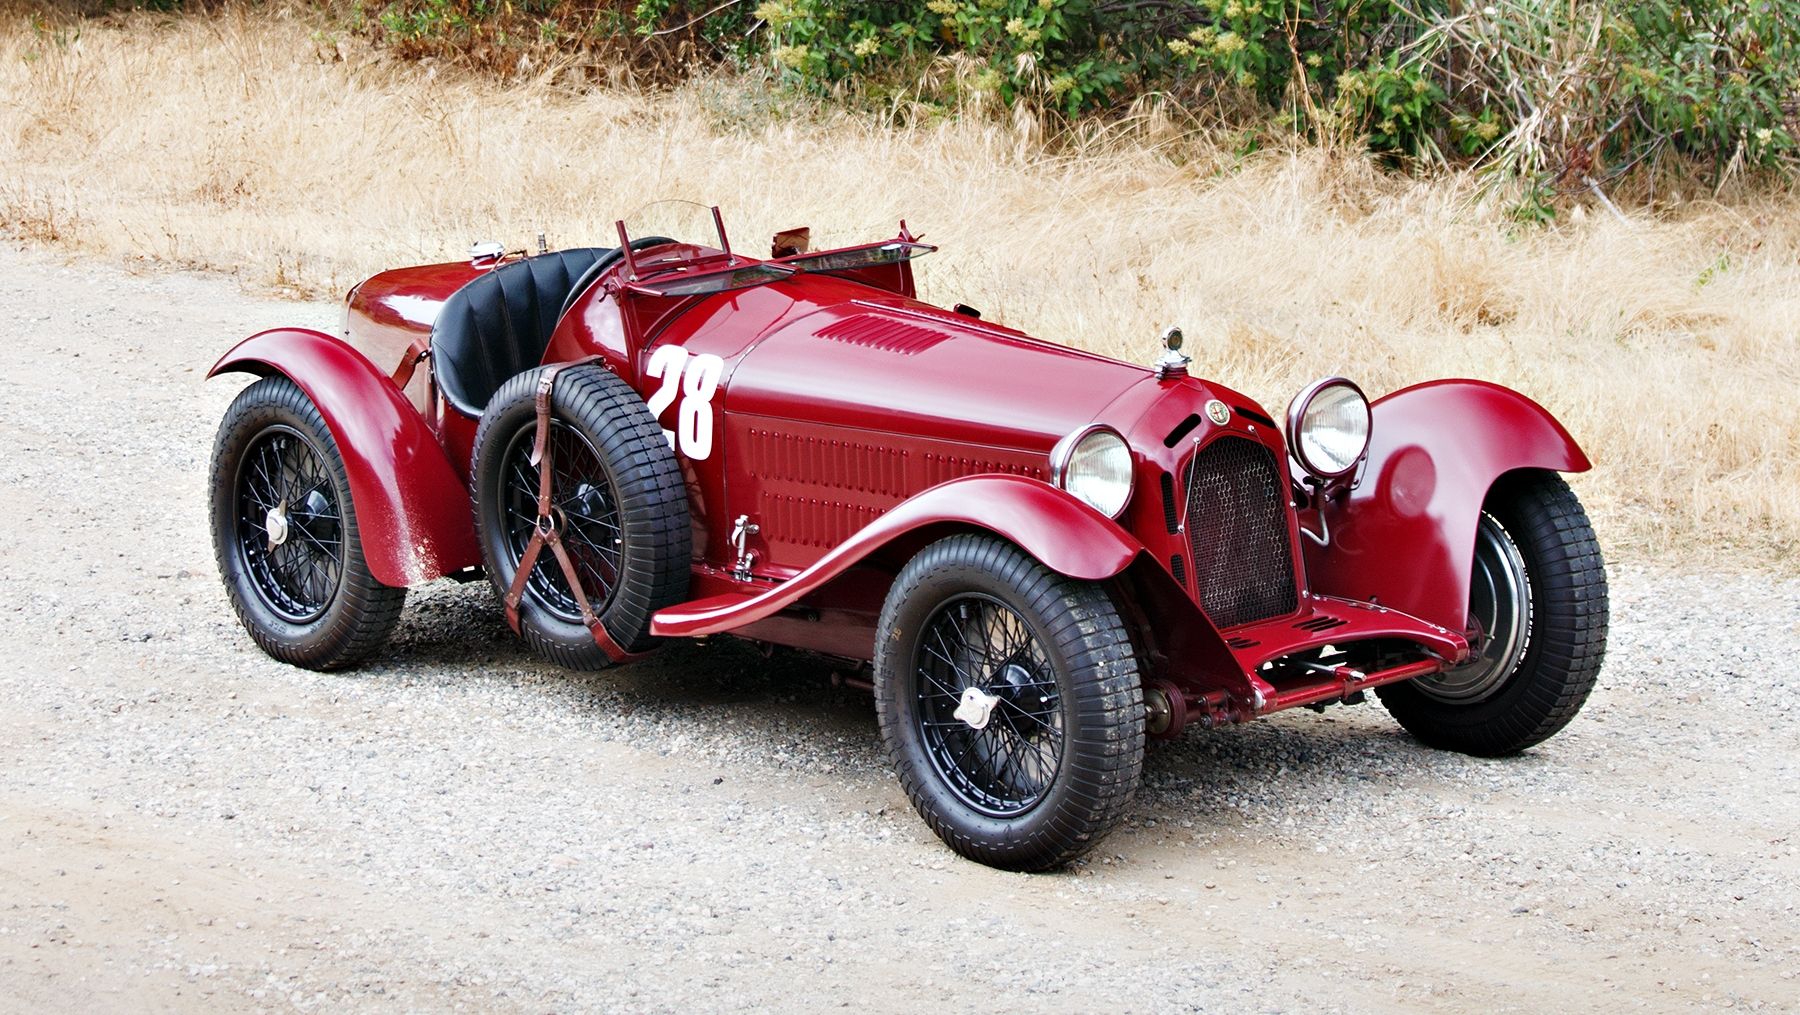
(1182, 429)
(878, 331)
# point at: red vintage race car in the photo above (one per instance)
(1042, 556)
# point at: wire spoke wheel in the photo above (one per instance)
(976, 649)
(586, 512)
(618, 507)
(1011, 701)
(285, 533)
(290, 529)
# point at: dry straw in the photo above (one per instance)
(255, 146)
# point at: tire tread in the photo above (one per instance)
(1103, 757)
(1568, 640)
(647, 484)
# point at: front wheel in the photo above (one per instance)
(1010, 701)
(1538, 608)
(285, 535)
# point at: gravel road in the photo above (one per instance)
(185, 822)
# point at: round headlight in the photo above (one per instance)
(1094, 465)
(1328, 427)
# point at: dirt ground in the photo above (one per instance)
(184, 822)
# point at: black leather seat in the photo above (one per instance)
(499, 324)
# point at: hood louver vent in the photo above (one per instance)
(875, 331)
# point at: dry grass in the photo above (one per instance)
(247, 145)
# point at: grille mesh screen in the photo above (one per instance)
(1238, 533)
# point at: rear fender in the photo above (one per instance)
(411, 510)
(1069, 537)
(1405, 537)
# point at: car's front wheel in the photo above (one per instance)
(1010, 701)
(285, 535)
(1538, 608)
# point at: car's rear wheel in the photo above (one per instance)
(620, 508)
(285, 533)
(1538, 607)
(1010, 701)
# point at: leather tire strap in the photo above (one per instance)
(547, 532)
(415, 353)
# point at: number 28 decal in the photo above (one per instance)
(693, 379)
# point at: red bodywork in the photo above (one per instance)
(413, 506)
(854, 424)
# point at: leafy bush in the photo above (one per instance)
(1565, 97)
(510, 36)
(1553, 96)
(1047, 53)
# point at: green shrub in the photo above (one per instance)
(1556, 95)
(507, 35)
(1552, 96)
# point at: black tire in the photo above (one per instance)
(1065, 646)
(1526, 701)
(624, 506)
(308, 598)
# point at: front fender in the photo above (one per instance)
(411, 509)
(1069, 537)
(1405, 537)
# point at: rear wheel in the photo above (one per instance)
(285, 533)
(1010, 701)
(1538, 606)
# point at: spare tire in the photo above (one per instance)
(619, 502)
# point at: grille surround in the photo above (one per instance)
(1237, 528)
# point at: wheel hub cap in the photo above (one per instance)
(976, 708)
(1499, 621)
(276, 522)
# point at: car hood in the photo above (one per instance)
(895, 365)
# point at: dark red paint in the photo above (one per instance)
(411, 507)
(1406, 536)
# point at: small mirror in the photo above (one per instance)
(1171, 339)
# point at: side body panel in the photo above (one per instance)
(1068, 536)
(834, 402)
(388, 312)
(1405, 537)
(411, 506)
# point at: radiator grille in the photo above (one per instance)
(1238, 533)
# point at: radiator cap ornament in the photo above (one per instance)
(1172, 363)
(1218, 412)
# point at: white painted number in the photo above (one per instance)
(666, 364)
(695, 424)
(695, 379)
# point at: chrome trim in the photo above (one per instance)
(1065, 450)
(1321, 537)
(1173, 363)
(1297, 409)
